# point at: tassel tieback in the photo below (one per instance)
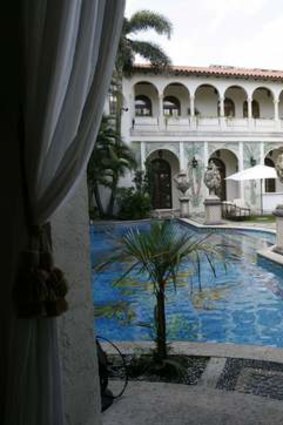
(40, 288)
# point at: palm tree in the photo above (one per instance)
(142, 20)
(109, 161)
(160, 252)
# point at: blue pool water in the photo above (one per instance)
(242, 305)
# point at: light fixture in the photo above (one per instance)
(194, 162)
(252, 161)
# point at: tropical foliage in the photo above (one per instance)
(110, 160)
(160, 252)
(135, 202)
(129, 47)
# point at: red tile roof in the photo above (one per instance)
(218, 71)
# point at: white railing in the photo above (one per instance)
(180, 124)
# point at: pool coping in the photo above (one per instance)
(206, 349)
(225, 226)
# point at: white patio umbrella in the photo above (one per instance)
(258, 172)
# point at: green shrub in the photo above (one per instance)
(133, 204)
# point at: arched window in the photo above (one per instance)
(270, 185)
(171, 106)
(143, 107)
(255, 109)
(229, 107)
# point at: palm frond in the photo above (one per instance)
(151, 52)
(144, 20)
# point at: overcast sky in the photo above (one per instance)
(245, 33)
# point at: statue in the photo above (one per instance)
(182, 182)
(279, 167)
(212, 178)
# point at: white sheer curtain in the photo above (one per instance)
(69, 49)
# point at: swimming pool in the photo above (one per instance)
(243, 305)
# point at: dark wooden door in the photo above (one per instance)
(161, 184)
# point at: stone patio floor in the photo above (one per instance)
(230, 391)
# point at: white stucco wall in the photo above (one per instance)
(70, 232)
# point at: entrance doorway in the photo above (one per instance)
(161, 184)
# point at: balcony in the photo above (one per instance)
(165, 126)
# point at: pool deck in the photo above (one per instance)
(241, 384)
(147, 403)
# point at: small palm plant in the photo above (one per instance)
(160, 252)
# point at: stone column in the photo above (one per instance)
(222, 112)
(241, 167)
(71, 245)
(276, 109)
(161, 116)
(276, 114)
(250, 112)
(279, 229)
(143, 156)
(192, 106)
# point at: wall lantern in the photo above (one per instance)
(194, 162)
(252, 161)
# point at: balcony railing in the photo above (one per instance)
(203, 124)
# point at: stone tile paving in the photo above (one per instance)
(255, 377)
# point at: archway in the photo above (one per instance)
(263, 103)
(227, 163)
(161, 184)
(176, 100)
(235, 98)
(146, 99)
(163, 165)
(206, 100)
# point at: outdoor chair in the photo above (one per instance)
(235, 210)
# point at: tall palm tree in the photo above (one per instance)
(109, 161)
(142, 20)
(160, 252)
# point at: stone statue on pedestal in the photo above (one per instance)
(183, 184)
(212, 178)
(212, 204)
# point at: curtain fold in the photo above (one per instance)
(69, 49)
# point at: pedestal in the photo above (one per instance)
(184, 206)
(213, 210)
(279, 229)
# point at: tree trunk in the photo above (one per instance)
(161, 322)
(110, 208)
(98, 200)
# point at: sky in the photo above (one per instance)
(241, 33)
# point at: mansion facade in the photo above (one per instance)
(180, 119)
